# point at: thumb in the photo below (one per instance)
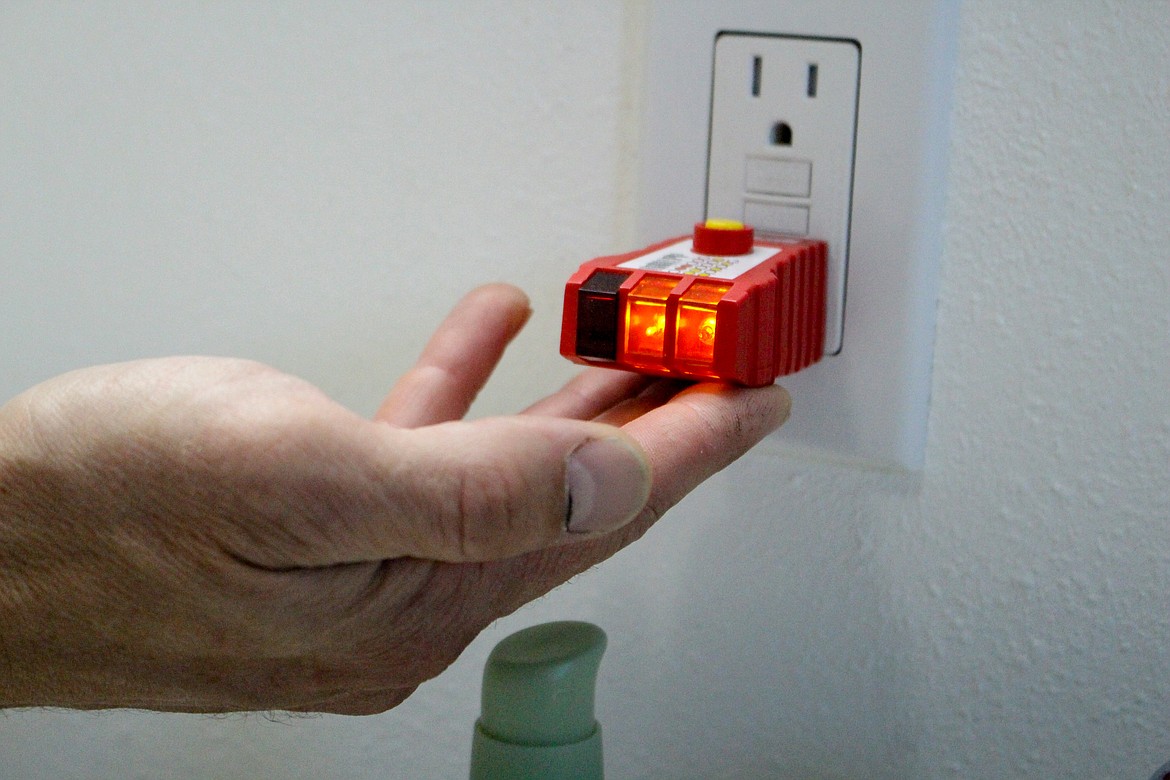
(492, 489)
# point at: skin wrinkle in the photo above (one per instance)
(714, 430)
(381, 605)
(438, 376)
(470, 497)
(436, 595)
(317, 502)
(496, 499)
(375, 493)
(481, 495)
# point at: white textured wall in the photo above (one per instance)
(272, 183)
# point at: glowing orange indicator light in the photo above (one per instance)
(695, 342)
(646, 317)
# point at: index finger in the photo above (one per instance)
(458, 359)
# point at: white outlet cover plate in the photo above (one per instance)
(870, 401)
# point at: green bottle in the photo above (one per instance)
(536, 720)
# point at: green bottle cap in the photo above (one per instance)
(537, 713)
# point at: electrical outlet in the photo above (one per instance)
(783, 121)
(869, 398)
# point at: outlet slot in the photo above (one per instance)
(811, 89)
(781, 134)
(757, 74)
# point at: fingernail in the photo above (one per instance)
(608, 483)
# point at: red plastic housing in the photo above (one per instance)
(761, 323)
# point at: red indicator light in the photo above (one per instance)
(697, 317)
(646, 317)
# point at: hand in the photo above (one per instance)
(199, 534)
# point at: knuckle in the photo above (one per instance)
(491, 510)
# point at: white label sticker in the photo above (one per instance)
(681, 259)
